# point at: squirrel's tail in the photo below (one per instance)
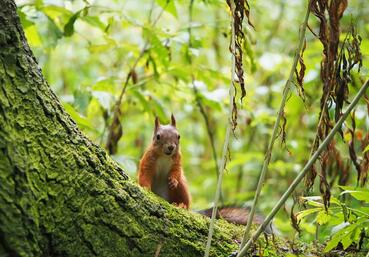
(238, 215)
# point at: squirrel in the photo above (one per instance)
(160, 171)
(160, 168)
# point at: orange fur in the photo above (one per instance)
(161, 172)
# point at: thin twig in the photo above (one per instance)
(306, 168)
(208, 129)
(268, 153)
(198, 100)
(129, 75)
(227, 136)
(157, 252)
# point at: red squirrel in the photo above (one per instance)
(160, 168)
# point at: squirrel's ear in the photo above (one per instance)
(157, 123)
(173, 120)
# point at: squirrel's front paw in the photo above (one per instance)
(173, 183)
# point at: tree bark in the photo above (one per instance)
(60, 194)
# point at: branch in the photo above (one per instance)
(268, 153)
(116, 113)
(308, 165)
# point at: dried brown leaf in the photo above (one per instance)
(115, 133)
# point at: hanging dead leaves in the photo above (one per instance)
(239, 11)
(300, 74)
(115, 133)
(338, 61)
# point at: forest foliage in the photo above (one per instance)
(116, 65)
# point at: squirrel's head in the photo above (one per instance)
(166, 137)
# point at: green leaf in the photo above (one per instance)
(142, 99)
(106, 85)
(338, 237)
(32, 36)
(57, 14)
(95, 22)
(99, 48)
(347, 240)
(209, 102)
(366, 149)
(156, 47)
(81, 121)
(334, 200)
(323, 217)
(314, 201)
(110, 23)
(110, 44)
(300, 215)
(180, 72)
(24, 20)
(332, 244)
(358, 194)
(105, 99)
(158, 108)
(343, 233)
(169, 6)
(69, 27)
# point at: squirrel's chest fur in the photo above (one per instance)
(160, 181)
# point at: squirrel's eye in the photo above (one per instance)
(158, 137)
(179, 136)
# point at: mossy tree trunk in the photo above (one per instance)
(61, 195)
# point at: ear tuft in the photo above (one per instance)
(157, 123)
(173, 120)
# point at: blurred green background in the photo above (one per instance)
(87, 48)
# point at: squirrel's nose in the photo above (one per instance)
(170, 148)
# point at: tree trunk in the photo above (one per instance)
(60, 194)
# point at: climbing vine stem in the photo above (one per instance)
(268, 153)
(227, 136)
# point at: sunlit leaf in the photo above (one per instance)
(57, 14)
(323, 217)
(24, 20)
(300, 215)
(366, 149)
(105, 99)
(157, 48)
(169, 6)
(338, 237)
(32, 36)
(346, 231)
(95, 22)
(81, 121)
(359, 195)
(106, 85)
(347, 240)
